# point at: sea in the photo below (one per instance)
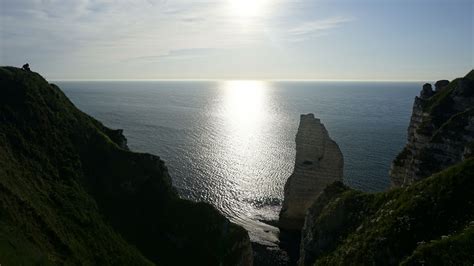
(232, 143)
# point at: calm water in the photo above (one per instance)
(232, 143)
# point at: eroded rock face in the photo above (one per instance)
(440, 133)
(441, 84)
(318, 163)
(427, 91)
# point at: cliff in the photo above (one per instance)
(72, 193)
(430, 222)
(318, 163)
(441, 130)
(428, 217)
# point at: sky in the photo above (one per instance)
(239, 39)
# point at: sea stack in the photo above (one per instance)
(318, 163)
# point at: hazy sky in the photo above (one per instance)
(246, 39)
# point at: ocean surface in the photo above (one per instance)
(232, 143)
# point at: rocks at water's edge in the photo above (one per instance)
(72, 193)
(318, 162)
(441, 130)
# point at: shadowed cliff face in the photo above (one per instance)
(71, 191)
(318, 162)
(441, 130)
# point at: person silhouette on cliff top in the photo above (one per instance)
(26, 67)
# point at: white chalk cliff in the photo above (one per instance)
(318, 163)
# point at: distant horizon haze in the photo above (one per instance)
(243, 79)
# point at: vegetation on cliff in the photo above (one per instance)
(431, 221)
(441, 128)
(71, 192)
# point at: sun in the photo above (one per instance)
(248, 8)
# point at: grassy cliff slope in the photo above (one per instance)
(71, 192)
(430, 222)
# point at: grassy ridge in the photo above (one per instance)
(72, 193)
(433, 216)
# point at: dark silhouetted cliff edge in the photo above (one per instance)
(72, 193)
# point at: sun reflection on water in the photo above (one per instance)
(244, 103)
(244, 106)
(244, 110)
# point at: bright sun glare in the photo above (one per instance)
(248, 8)
(244, 107)
(244, 100)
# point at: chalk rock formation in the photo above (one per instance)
(441, 131)
(319, 162)
(428, 222)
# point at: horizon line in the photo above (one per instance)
(237, 79)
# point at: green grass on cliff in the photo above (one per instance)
(445, 121)
(452, 128)
(442, 100)
(71, 194)
(432, 216)
(456, 249)
(47, 216)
